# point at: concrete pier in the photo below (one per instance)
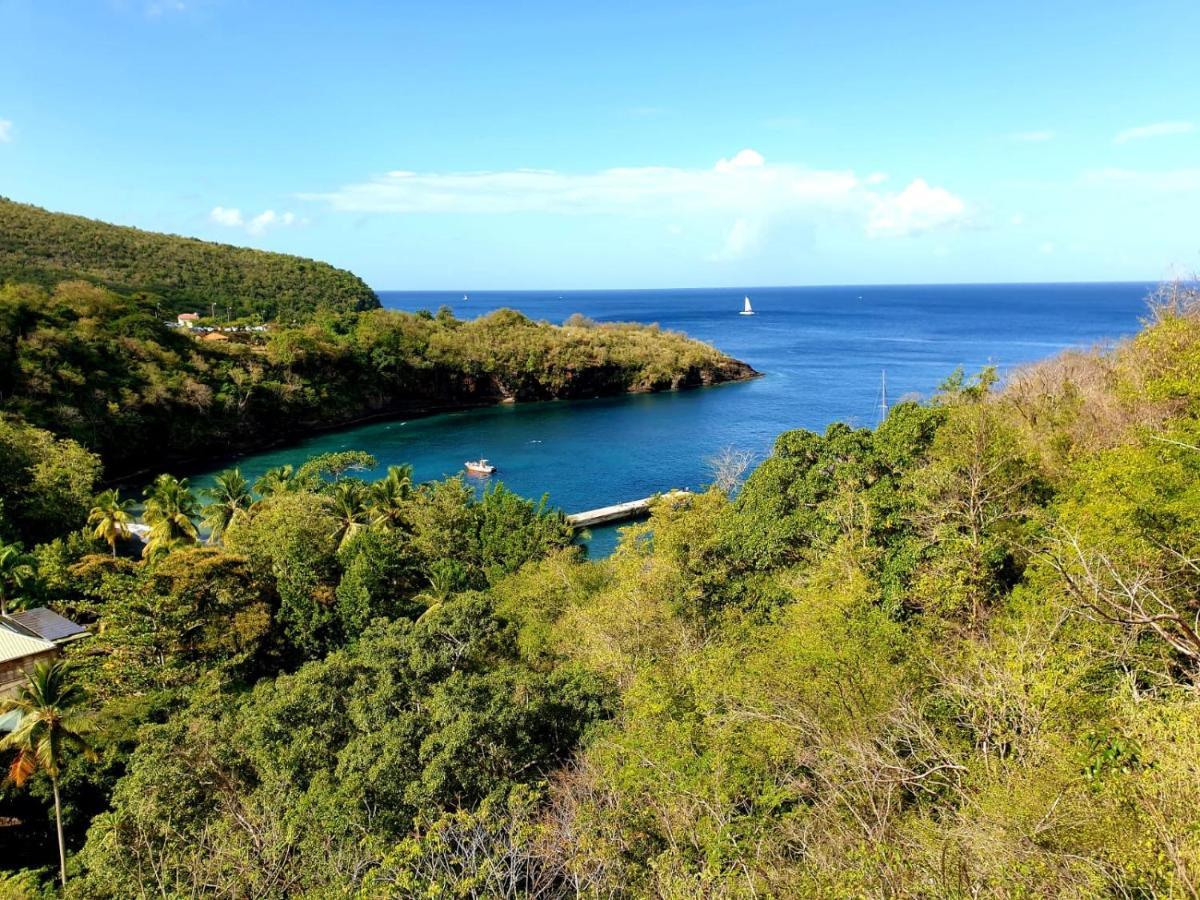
(620, 512)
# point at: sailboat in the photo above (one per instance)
(747, 309)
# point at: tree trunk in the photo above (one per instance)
(62, 850)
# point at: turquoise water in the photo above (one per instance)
(822, 351)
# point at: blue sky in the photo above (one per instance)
(623, 144)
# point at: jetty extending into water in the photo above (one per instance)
(621, 512)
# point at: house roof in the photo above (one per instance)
(46, 624)
(14, 646)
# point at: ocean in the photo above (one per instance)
(823, 352)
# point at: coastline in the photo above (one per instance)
(191, 464)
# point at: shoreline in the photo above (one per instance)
(188, 466)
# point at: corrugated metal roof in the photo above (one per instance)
(46, 624)
(17, 646)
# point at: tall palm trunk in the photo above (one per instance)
(62, 850)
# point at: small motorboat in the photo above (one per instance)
(479, 467)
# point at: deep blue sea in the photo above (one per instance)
(822, 351)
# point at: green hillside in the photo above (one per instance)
(952, 657)
(46, 247)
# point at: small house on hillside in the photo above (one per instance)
(215, 336)
(45, 624)
(19, 653)
(188, 320)
(26, 639)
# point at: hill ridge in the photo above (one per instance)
(184, 272)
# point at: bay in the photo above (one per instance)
(822, 352)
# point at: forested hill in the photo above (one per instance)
(101, 368)
(184, 273)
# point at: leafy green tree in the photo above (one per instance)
(110, 518)
(171, 511)
(228, 498)
(381, 574)
(46, 484)
(334, 465)
(514, 531)
(46, 732)
(17, 575)
(292, 540)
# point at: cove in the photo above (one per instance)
(822, 352)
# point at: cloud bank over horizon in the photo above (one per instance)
(744, 188)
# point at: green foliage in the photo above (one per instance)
(72, 362)
(46, 484)
(45, 732)
(292, 539)
(955, 656)
(228, 498)
(110, 518)
(184, 274)
(171, 512)
(381, 576)
(410, 720)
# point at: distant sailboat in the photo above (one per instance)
(465, 298)
(747, 309)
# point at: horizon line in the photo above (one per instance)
(778, 287)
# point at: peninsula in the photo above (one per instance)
(152, 350)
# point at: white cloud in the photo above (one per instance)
(743, 159)
(919, 207)
(745, 190)
(1032, 137)
(5, 131)
(1158, 129)
(231, 217)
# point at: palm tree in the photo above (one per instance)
(230, 498)
(280, 480)
(110, 518)
(388, 497)
(16, 574)
(44, 733)
(348, 503)
(171, 510)
(442, 582)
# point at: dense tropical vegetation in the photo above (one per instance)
(954, 656)
(100, 368)
(178, 274)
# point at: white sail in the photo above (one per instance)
(747, 309)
